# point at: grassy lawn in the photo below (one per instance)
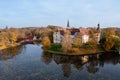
(81, 51)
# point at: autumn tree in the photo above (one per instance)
(66, 41)
(91, 44)
(43, 32)
(77, 42)
(116, 40)
(108, 44)
(108, 32)
(12, 37)
(46, 42)
(117, 32)
(4, 38)
(111, 39)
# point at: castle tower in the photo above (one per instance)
(98, 33)
(98, 26)
(68, 25)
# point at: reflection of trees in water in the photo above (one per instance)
(78, 65)
(10, 52)
(66, 67)
(46, 57)
(112, 58)
(66, 62)
(92, 65)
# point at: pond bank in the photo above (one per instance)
(20, 43)
(72, 54)
(12, 45)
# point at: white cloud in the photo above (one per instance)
(45, 12)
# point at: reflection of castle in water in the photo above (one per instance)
(91, 63)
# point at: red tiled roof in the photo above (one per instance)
(29, 37)
(84, 31)
(73, 31)
(62, 32)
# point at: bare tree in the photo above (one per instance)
(66, 41)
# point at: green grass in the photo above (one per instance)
(81, 53)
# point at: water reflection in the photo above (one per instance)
(91, 63)
(29, 62)
(46, 58)
(11, 52)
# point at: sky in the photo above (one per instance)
(80, 13)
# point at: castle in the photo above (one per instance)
(83, 33)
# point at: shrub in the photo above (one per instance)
(56, 47)
(91, 44)
(46, 42)
(77, 42)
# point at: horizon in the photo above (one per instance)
(25, 13)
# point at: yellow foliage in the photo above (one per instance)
(13, 37)
(4, 38)
(92, 42)
(46, 42)
(109, 43)
(77, 42)
(66, 42)
(73, 50)
(109, 32)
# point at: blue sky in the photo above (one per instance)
(81, 13)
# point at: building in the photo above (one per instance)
(83, 33)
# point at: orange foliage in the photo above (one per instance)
(73, 50)
(109, 43)
(46, 42)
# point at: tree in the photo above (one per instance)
(109, 31)
(4, 38)
(12, 37)
(91, 44)
(117, 32)
(108, 44)
(51, 27)
(116, 40)
(77, 42)
(66, 41)
(46, 42)
(112, 42)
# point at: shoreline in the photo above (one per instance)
(72, 54)
(12, 45)
(61, 53)
(78, 54)
(18, 44)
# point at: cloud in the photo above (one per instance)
(44, 12)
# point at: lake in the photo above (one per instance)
(30, 62)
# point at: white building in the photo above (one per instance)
(83, 33)
(85, 38)
(57, 37)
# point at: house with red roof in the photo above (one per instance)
(83, 33)
(28, 38)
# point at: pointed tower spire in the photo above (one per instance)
(68, 25)
(98, 26)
